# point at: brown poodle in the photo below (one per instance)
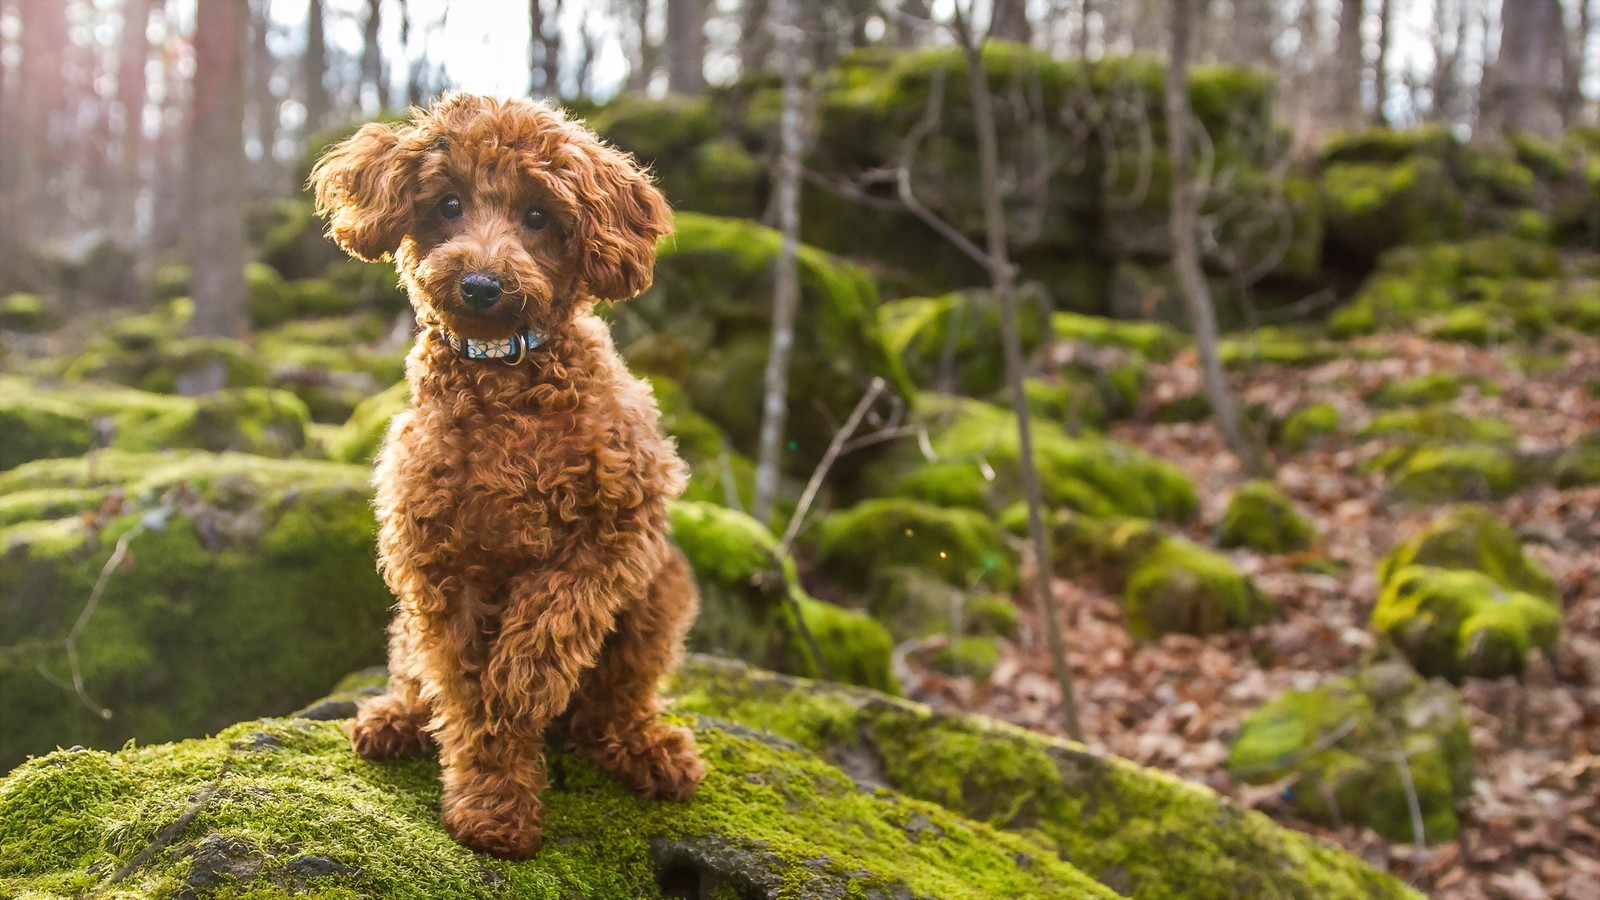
(521, 498)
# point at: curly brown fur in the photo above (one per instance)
(521, 507)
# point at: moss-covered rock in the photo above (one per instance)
(1578, 465)
(1372, 207)
(1309, 425)
(1473, 538)
(246, 586)
(749, 592)
(1456, 624)
(1179, 587)
(814, 791)
(1438, 423)
(1279, 346)
(360, 436)
(1338, 742)
(24, 312)
(713, 297)
(1418, 390)
(1156, 341)
(975, 445)
(1445, 472)
(959, 546)
(953, 342)
(43, 420)
(1260, 516)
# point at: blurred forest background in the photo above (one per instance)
(1297, 303)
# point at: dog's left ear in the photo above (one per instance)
(621, 217)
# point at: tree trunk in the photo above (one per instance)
(263, 102)
(1574, 63)
(220, 174)
(755, 36)
(372, 75)
(314, 70)
(786, 276)
(1444, 84)
(39, 93)
(1186, 197)
(911, 25)
(1524, 96)
(1256, 23)
(1003, 277)
(643, 65)
(1344, 88)
(1087, 13)
(1010, 21)
(686, 46)
(132, 92)
(1380, 66)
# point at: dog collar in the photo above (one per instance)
(512, 349)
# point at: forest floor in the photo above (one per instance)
(1531, 827)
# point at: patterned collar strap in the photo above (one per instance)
(511, 350)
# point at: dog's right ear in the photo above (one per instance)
(363, 188)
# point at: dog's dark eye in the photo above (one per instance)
(536, 219)
(450, 207)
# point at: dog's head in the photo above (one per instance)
(500, 214)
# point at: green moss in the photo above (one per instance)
(1373, 207)
(44, 420)
(960, 546)
(1473, 538)
(1086, 473)
(1337, 741)
(24, 312)
(1435, 387)
(251, 587)
(1309, 425)
(358, 440)
(967, 657)
(1139, 831)
(748, 592)
(1156, 341)
(1072, 404)
(1472, 325)
(713, 284)
(1278, 346)
(1178, 587)
(1438, 423)
(1437, 473)
(297, 812)
(993, 614)
(1459, 624)
(953, 342)
(1578, 465)
(1260, 516)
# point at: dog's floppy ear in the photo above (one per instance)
(363, 188)
(620, 217)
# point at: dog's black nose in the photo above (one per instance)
(480, 290)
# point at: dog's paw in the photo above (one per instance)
(387, 728)
(505, 825)
(661, 762)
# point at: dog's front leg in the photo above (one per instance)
(494, 768)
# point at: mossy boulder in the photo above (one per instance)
(1338, 744)
(1418, 390)
(750, 593)
(1260, 516)
(1169, 585)
(359, 438)
(1156, 341)
(157, 364)
(976, 452)
(814, 790)
(959, 546)
(246, 586)
(1371, 207)
(1309, 425)
(1179, 587)
(43, 420)
(1435, 473)
(1438, 423)
(1457, 624)
(953, 342)
(713, 300)
(24, 312)
(1474, 538)
(1281, 347)
(1578, 465)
